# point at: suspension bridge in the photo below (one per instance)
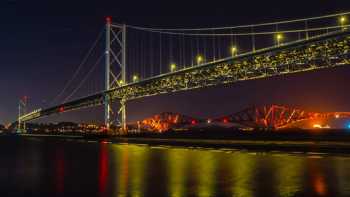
(145, 61)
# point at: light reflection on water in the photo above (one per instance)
(59, 168)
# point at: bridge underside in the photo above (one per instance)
(326, 51)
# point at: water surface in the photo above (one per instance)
(48, 167)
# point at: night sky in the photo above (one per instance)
(42, 43)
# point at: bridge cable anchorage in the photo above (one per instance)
(241, 26)
(82, 63)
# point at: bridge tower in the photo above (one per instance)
(22, 104)
(115, 71)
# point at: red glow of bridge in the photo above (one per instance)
(103, 168)
(268, 117)
(277, 116)
(61, 109)
(59, 171)
(225, 120)
(165, 121)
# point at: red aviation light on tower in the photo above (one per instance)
(109, 19)
(225, 120)
(193, 122)
(24, 99)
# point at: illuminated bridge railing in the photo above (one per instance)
(325, 51)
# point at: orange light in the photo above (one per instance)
(318, 126)
(319, 185)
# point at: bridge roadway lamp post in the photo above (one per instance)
(116, 36)
(172, 67)
(199, 59)
(279, 38)
(234, 50)
(342, 21)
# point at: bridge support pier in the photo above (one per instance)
(123, 115)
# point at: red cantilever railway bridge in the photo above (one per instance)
(267, 117)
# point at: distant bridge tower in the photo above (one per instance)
(22, 104)
(115, 73)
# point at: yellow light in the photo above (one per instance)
(279, 36)
(199, 59)
(234, 50)
(172, 67)
(342, 20)
(337, 116)
(135, 78)
(121, 82)
(318, 126)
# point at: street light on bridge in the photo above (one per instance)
(135, 78)
(279, 38)
(172, 67)
(199, 59)
(342, 21)
(234, 50)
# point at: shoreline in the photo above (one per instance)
(257, 145)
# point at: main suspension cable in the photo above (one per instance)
(250, 33)
(240, 26)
